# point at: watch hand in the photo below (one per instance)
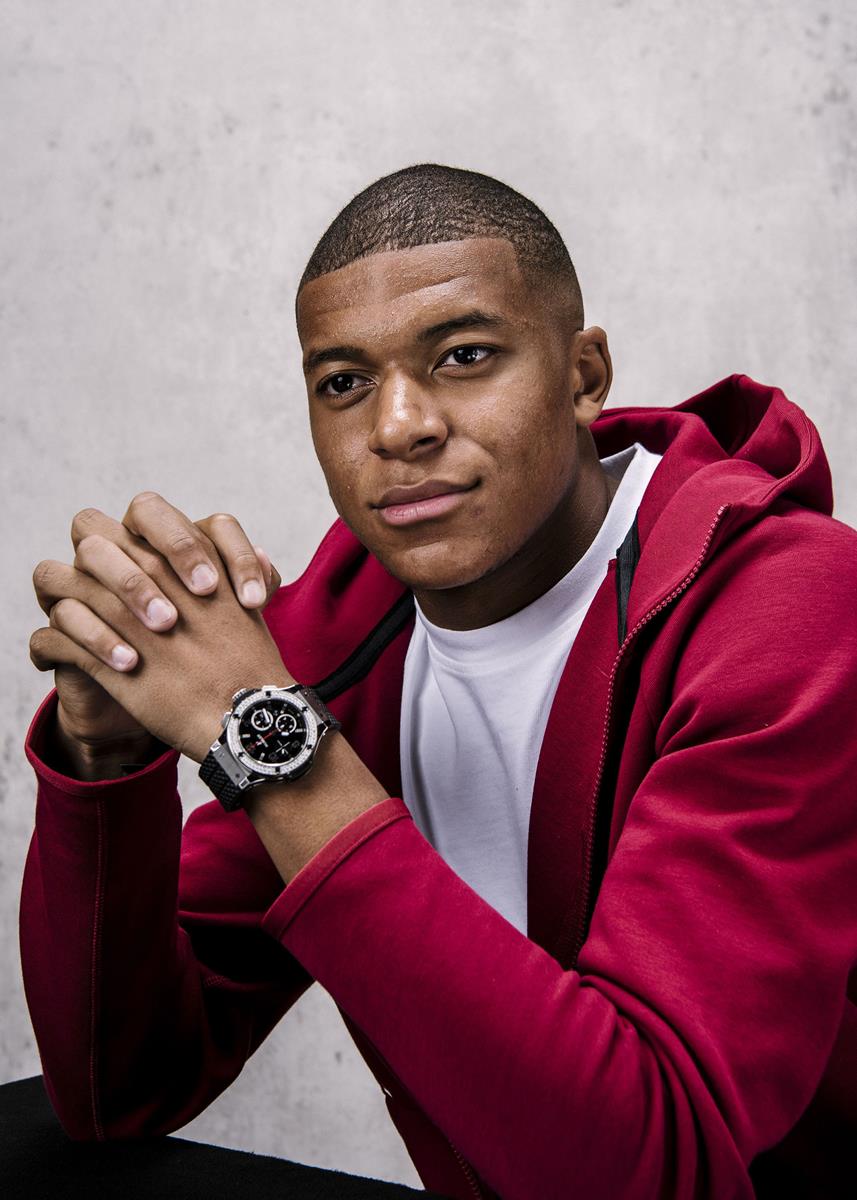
(263, 737)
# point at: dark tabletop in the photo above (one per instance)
(38, 1160)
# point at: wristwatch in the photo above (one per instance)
(270, 733)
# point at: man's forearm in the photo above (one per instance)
(294, 820)
(136, 1033)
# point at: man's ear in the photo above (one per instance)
(592, 373)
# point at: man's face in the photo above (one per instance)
(442, 363)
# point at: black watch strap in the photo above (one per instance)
(320, 708)
(212, 774)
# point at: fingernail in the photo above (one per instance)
(122, 657)
(202, 578)
(159, 612)
(252, 593)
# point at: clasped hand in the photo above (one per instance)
(147, 634)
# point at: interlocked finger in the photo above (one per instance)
(92, 634)
(252, 575)
(172, 534)
(57, 582)
(50, 648)
(53, 581)
(122, 574)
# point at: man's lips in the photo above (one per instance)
(421, 509)
(421, 491)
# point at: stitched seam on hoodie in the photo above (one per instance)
(340, 858)
(95, 969)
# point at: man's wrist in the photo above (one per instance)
(92, 762)
(295, 819)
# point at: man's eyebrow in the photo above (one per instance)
(331, 354)
(468, 320)
(476, 316)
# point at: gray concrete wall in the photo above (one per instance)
(166, 170)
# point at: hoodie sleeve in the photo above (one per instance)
(708, 994)
(147, 977)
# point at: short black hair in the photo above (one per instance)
(428, 203)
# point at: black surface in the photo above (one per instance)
(38, 1159)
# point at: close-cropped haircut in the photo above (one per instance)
(429, 203)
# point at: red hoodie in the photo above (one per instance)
(685, 996)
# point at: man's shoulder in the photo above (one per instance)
(763, 642)
(797, 545)
(775, 600)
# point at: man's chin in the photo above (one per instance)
(433, 567)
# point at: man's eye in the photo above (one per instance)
(466, 356)
(340, 385)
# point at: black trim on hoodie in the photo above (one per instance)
(360, 661)
(627, 557)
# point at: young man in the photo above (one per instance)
(574, 846)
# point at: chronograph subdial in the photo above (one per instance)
(261, 719)
(287, 723)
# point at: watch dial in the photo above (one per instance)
(273, 731)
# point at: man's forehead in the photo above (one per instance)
(405, 281)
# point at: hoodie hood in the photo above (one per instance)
(730, 455)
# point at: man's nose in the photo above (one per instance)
(407, 420)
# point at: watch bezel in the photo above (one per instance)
(273, 770)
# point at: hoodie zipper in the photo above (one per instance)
(466, 1169)
(580, 926)
(468, 1172)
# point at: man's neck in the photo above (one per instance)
(549, 555)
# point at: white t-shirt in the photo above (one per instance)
(475, 704)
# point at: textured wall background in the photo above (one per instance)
(166, 170)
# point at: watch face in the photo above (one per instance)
(273, 731)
